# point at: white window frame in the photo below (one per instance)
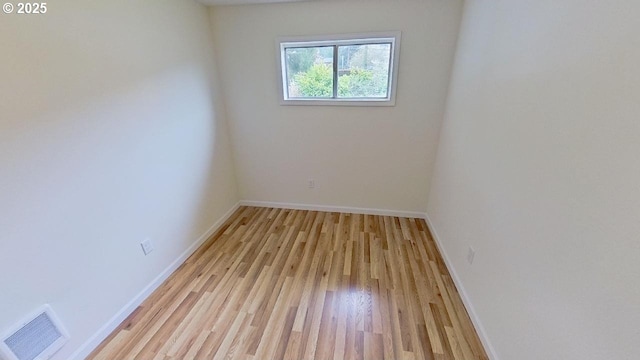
(392, 37)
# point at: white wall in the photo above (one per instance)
(111, 131)
(370, 157)
(538, 170)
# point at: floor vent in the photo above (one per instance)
(38, 337)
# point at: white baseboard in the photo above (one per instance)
(327, 208)
(463, 294)
(85, 349)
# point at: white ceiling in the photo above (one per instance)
(242, 2)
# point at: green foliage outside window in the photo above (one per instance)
(363, 71)
(315, 82)
(362, 83)
(318, 82)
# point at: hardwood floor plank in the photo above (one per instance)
(286, 333)
(293, 284)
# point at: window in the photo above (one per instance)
(339, 70)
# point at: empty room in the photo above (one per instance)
(320, 179)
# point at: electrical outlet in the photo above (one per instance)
(470, 255)
(311, 183)
(147, 246)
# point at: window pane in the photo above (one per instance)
(363, 71)
(309, 72)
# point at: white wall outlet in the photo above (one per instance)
(311, 183)
(470, 255)
(147, 246)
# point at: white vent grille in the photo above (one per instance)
(37, 338)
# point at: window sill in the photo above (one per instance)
(333, 102)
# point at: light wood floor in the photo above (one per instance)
(289, 284)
